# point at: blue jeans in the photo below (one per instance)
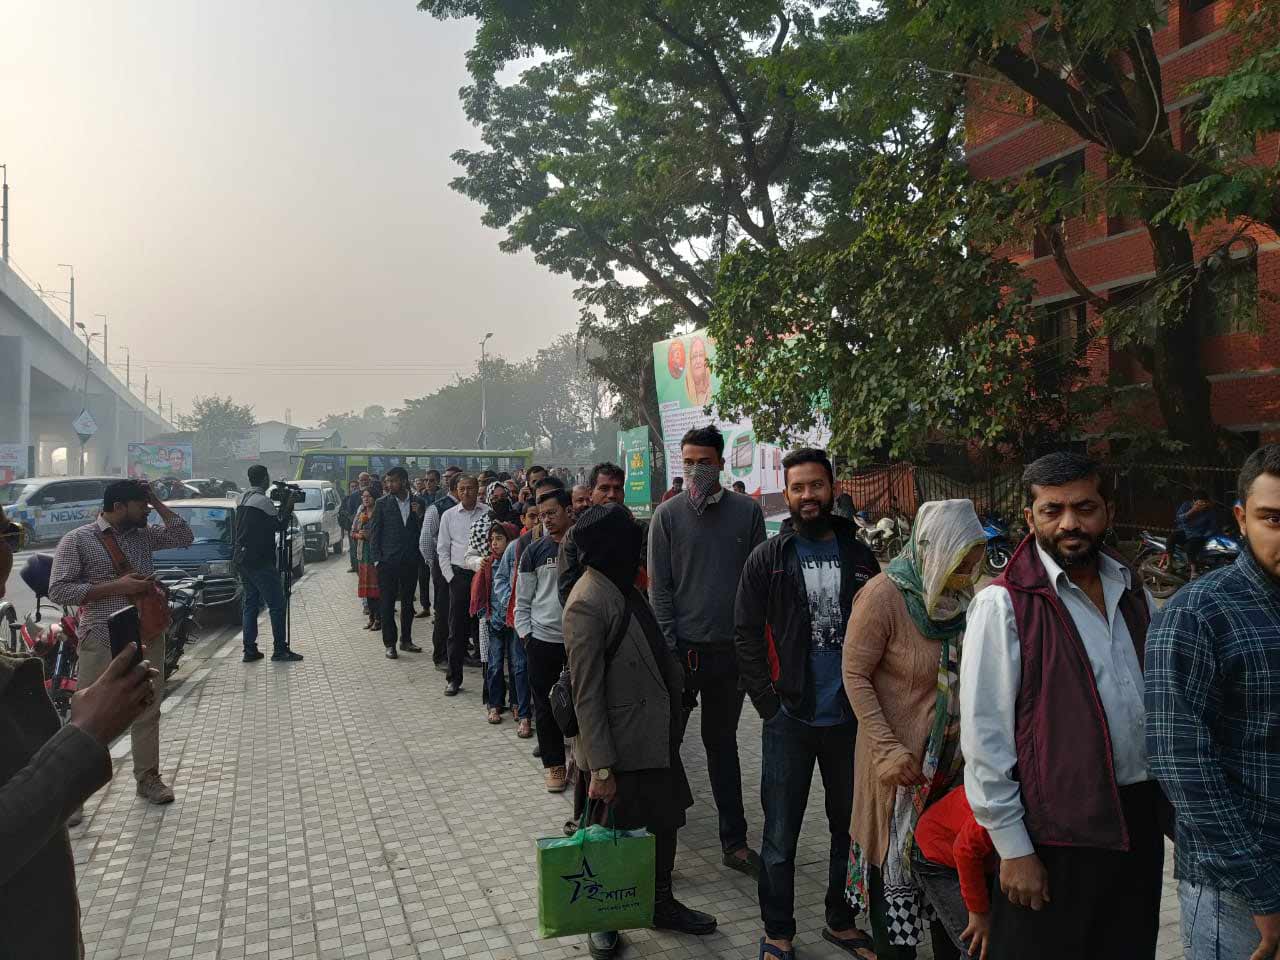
(789, 750)
(520, 677)
(495, 678)
(262, 585)
(1216, 925)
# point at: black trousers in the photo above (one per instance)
(440, 629)
(460, 621)
(712, 676)
(546, 660)
(424, 585)
(396, 579)
(1104, 904)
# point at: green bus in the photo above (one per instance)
(340, 465)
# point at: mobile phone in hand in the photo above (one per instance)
(125, 628)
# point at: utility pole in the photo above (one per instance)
(484, 404)
(4, 213)
(159, 401)
(127, 385)
(72, 295)
(106, 357)
(146, 387)
(171, 411)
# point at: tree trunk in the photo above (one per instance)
(1182, 391)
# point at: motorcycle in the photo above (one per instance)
(57, 644)
(886, 537)
(186, 596)
(999, 550)
(1164, 573)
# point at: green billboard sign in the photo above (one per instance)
(633, 453)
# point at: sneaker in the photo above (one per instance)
(525, 729)
(670, 914)
(602, 946)
(153, 789)
(557, 780)
(252, 656)
(287, 656)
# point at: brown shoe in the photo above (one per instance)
(153, 789)
(556, 780)
(525, 729)
(494, 715)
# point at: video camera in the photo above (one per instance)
(286, 494)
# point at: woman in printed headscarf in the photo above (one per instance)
(901, 658)
(627, 688)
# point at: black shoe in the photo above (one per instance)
(750, 866)
(287, 657)
(451, 690)
(252, 656)
(537, 751)
(442, 667)
(670, 914)
(603, 946)
(391, 654)
(410, 648)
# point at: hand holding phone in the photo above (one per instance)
(125, 628)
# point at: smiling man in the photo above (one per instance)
(1213, 722)
(1051, 725)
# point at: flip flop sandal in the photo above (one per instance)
(859, 941)
(768, 950)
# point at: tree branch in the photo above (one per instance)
(682, 267)
(1059, 251)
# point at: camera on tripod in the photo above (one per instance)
(286, 494)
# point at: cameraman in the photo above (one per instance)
(258, 521)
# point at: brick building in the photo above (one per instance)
(1111, 255)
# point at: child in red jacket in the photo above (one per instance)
(949, 836)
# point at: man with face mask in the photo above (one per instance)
(86, 575)
(807, 717)
(698, 544)
(1213, 719)
(1052, 731)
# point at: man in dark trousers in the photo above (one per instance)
(350, 507)
(793, 602)
(1052, 725)
(393, 548)
(428, 492)
(427, 550)
(699, 542)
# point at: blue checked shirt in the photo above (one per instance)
(1213, 729)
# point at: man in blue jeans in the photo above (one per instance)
(1213, 723)
(258, 521)
(792, 606)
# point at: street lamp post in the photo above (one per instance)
(72, 295)
(88, 342)
(484, 406)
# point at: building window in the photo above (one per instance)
(1235, 294)
(1060, 340)
(1195, 6)
(1066, 173)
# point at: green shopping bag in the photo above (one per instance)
(599, 879)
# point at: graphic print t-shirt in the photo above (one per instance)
(820, 561)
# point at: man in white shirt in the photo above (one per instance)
(1052, 729)
(451, 551)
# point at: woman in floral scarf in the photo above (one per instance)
(901, 658)
(367, 584)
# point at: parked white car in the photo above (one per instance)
(318, 517)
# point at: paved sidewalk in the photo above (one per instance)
(342, 807)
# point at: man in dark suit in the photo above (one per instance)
(393, 548)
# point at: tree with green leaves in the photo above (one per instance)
(216, 424)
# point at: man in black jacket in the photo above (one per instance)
(792, 607)
(393, 549)
(258, 521)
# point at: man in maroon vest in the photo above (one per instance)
(1051, 724)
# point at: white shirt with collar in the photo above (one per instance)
(455, 536)
(404, 506)
(991, 673)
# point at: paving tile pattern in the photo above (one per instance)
(343, 807)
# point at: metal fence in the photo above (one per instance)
(1146, 496)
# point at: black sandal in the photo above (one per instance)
(859, 941)
(768, 950)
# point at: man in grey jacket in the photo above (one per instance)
(699, 542)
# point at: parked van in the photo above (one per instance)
(48, 507)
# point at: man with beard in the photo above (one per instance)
(581, 494)
(607, 484)
(102, 567)
(698, 545)
(807, 717)
(1213, 719)
(1052, 730)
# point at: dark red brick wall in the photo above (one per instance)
(1004, 139)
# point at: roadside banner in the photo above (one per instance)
(633, 454)
(155, 461)
(13, 461)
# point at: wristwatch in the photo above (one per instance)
(602, 774)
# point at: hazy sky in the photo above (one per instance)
(256, 194)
